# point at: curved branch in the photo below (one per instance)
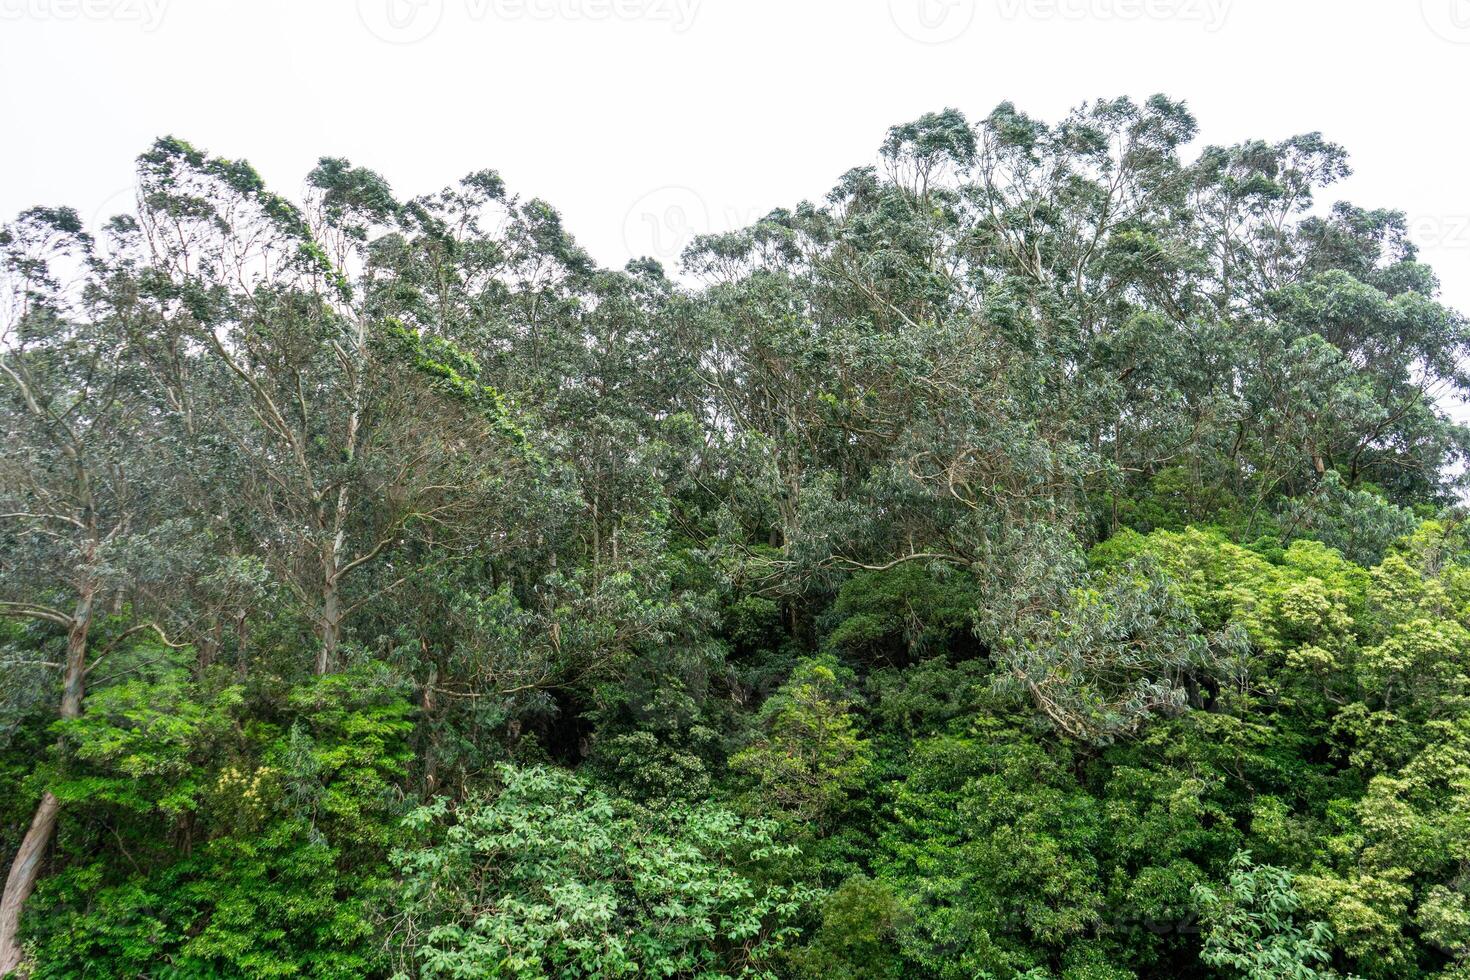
(31, 610)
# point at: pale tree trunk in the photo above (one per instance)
(329, 619)
(332, 564)
(23, 873)
(26, 867)
(331, 624)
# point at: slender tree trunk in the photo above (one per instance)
(26, 867)
(242, 644)
(210, 644)
(426, 706)
(331, 637)
(331, 612)
(74, 680)
(332, 564)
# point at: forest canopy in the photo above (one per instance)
(1040, 558)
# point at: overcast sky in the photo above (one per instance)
(645, 121)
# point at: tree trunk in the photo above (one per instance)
(210, 644)
(331, 628)
(26, 867)
(426, 706)
(331, 614)
(23, 874)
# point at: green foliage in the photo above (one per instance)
(901, 614)
(276, 837)
(858, 934)
(1251, 928)
(808, 755)
(457, 373)
(1101, 659)
(959, 582)
(993, 847)
(549, 876)
(1359, 523)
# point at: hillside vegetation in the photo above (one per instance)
(1041, 558)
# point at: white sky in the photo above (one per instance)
(645, 120)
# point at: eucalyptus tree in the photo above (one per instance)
(349, 433)
(1007, 331)
(577, 585)
(84, 496)
(866, 467)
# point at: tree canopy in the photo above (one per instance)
(1042, 557)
